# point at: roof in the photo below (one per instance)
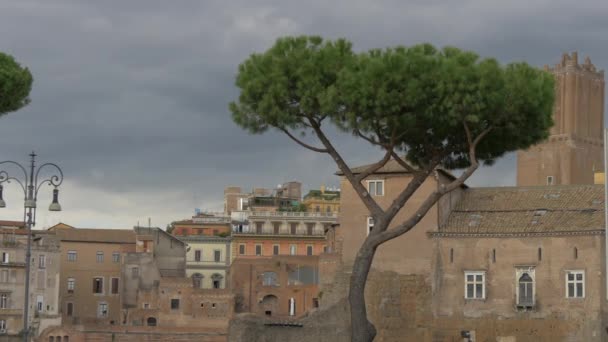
(99, 235)
(6, 223)
(392, 166)
(541, 209)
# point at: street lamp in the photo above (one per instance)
(30, 184)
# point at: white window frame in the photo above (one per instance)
(474, 283)
(374, 191)
(369, 225)
(100, 313)
(99, 257)
(261, 250)
(73, 254)
(293, 250)
(103, 286)
(71, 285)
(550, 180)
(575, 282)
(6, 257)
(2, 325)
(244, 249)
(519, 272)
(278, 247)
(217, 252)
(41, 261)
(116, 257)
(4, 300)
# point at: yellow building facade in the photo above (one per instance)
(322, 200)
(207, 261)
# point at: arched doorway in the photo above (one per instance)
(151, 322)
(269, 305)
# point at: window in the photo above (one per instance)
(217, 284)
(98, 285)
(275, 250)
(302, 275)
(135, 272)
(114, 289)
(71, 285)
(525, 287)
(41, 261)
(2, 325)
(146, 305)
(39, 303)
(549, 180)
(269, 279)
(242, 249)
(375, 187)
(575, 284)
(258, 249)
(217, 256)
(310, 228)
(197, 255)
(102, 310)
(317, 209)
(5, 257)
(293, 250)
(116, 257)
(293, 227)
(309, 250)
(258, 227)
(276, 227)
(475, 285)
(4, 300)
(174, 304)
(70, 310)
(72, 256)
(4, 276)
(370, 224)
(216, 280)
(99, 257)
(315, 302)
(197, 280)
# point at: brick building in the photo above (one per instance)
(574, 150)
(90, 279)
(271, 233)
(277, 286)
(206, 224)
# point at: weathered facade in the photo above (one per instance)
(208, 260)
(574, 150)
(90, 281)
(203, 224)
(322, 200)
(44, 281)
(278, 286)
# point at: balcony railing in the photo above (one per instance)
(281, 233)
(293, 214)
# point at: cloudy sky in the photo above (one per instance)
(130, 97)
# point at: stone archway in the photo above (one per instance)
(269, 305)
(151, 322)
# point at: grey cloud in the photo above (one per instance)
(130, 97)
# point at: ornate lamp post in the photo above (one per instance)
(30, 184)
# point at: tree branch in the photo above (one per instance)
(403, 163)
(374, 167)
(406, 226)
(310, 147)
(361, 191)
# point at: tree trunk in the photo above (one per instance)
(362, 330)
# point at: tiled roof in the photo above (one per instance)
(392, 166)
(5, 223)
(542, 209)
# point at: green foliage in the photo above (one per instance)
(224, 234)
(295, 208)
(15, 85)
(170, 227)
(418, 99)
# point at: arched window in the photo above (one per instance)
(526, 290)
(270, 279)
(197, 280)
(216, 279)
(151, 321)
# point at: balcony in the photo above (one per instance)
(283, 233)
(302, 215)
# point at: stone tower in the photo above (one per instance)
(574, 150)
